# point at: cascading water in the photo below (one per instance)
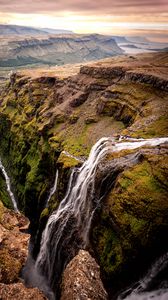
(8, 184)
(70, 223)
(150, 287)
(68, 227)
(53, 188)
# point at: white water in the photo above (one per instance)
(8, 184)
(73, 156)
(72, 206)
(142, 289)
(53, 188)
(73, 217)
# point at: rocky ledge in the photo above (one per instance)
(47, 122)
(13, 254)
(81, 279)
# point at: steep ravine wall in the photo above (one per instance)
(41, 117)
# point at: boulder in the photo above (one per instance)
(81, 279)
(18, 291)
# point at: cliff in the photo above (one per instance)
(57, 49)
(50, 122)
(13, 254)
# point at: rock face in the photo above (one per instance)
(47, 122)
(129, 232)
(18, 291)
(58, 49)
(14, 244)
(81, 279)
(13, 254)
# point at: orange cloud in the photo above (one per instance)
(114, 7)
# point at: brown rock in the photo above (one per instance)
(81, 279)
(18, 291)
(13, 244)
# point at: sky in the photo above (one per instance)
(112, 17)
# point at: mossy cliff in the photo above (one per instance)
(40, 117)
(25, 152)
(130, 229)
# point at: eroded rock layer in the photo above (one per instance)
(49, 123)
(13, 254)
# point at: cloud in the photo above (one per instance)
(116, 7)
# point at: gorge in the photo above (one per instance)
(112, 202)
(70, 224)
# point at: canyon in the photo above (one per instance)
(50, 120)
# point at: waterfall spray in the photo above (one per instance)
(141, 290)
(53, 188)
(8, 184)
(68, 227)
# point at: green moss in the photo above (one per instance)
(157, 128)
(55, 143)
(68, 162)
(76, 145)
(111, 251)
(73, 118)
(44, 213)
(134, 215)
(4, 196)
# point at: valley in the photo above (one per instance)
(103, 215)
(27, 47)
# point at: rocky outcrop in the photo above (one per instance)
(14, 244)
(103, 72)
(18, 291)
(129, 232)
(43, 113)
(14, 241)
(81, 279)
(43, 119)
(155, 81)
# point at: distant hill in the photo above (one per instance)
(138, 39)
(57, 49)
(25, 30)
(120, 39)
(56, 31)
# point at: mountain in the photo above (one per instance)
(56, 31)
(138, 39)
(120, 39)
(7, 30)
(58, 49)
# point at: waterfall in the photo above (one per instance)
(53, 188)
(142, 289)
(68, 227)
(73, 156)
(8, 184)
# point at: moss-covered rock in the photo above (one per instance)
(133, 219)
(40, 118)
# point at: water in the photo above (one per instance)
(71, 222)
(150, 287)
(68, 227)
(8, 184)
(73, 156)
(53, 188)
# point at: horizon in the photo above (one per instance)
(126, 18)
